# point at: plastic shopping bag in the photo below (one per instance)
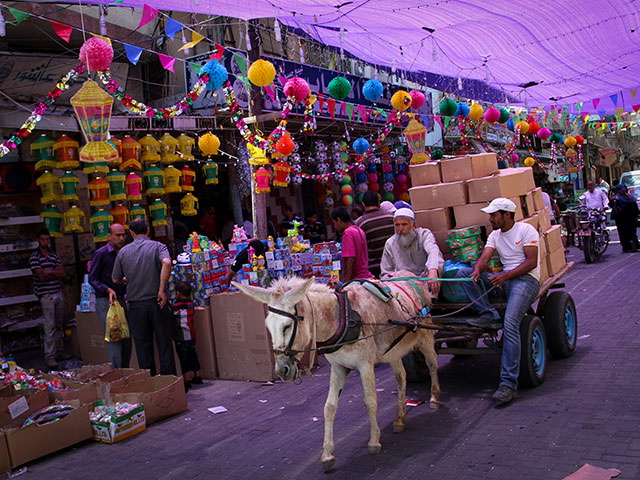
(117, 326)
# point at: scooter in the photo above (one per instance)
(592, 234)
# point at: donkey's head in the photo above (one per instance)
(289, 331)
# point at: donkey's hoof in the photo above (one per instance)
(375, 449)
(434, 404)
(398, 427)
(327, 463)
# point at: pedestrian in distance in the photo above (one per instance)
(624, 210)
(184, 336)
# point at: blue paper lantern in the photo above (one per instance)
(463, 109)
(510, 125)
(217, 74)
(361, 145)
(372, 90)
(361, 177)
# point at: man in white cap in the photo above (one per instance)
(517, 245)
(414, 249)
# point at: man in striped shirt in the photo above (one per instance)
(378, 227)
(47, 273)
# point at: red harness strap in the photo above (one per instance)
(418, 309)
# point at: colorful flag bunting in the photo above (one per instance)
(166, 61)
(636, 108)
(349, 109)
(321, 102)
(18, 15)
(362, 112)
(196, 67)
(331, 105)
(343, 109)
(219, 52)
(172, 28)
(195, 39)
(133, 53)
(148, 14)
(633, 94)
(614, 99)
(241, 62)
(269, 91)
(595, 101)
(63, 31)
(439, 120)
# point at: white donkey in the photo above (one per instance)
(304, 314)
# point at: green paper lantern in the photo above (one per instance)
(52, 217)
(448, 107)
(437, 154)
(137, 212)
(504, 115)
(339, 88)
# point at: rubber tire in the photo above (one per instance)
(587, 247)
(416, 367)
(531, 326)
(554, 317)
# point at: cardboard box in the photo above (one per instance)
(544, 270)
(483, 164)
(544, 220)
(133, 363)
(529, 204)
(435, 219)
(117, 428)
(83, 392)
(533, 221)
(438, 196)
(162, 396)
(441, 240)
(508, 183)
(553, 239)
(122, 376)
(93, 348)
(519, 215)
(242, 341)
(542, 248)
(555, 261)
(456, 169)
(18, 405)
(205, 344)
(88, 373)
(425, 173)
(538, 202)
(470, 214)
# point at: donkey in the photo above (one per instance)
(304, 314)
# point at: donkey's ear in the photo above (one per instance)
(295, 295)
(262, 295)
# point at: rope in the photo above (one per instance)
(425, 279)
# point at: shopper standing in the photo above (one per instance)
(377, 226)
(145, 265)
(624, 210)
(355, 257)
(47, 274)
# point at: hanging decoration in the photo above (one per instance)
(448, 107)
(96, 54)
(69, 183)
(285, 146)
(100, 222)
(261, 73)
(339, 88)
(475, 112)
(372, 90)
(297, 88)
(401, 100)
(258, 156)
(137, 212)
(492, 115)
(98, 192)
(50, 186)
(158, 212)
(98, 168)
(120, 215)
(209, 144)
(185, 148)
(416, 134)
(570, 142)
(210, 170)
(66, 152)
(463, 110)
(544, 133)
(529, 162)
(130, 153)
(281, 172)
(189, 205)
(52, 217)
(42, 149)
(417, 99)
(360, 145)
(504, 115)
(534, 127)
(73, 220)
(150, 149)
(187, 179)
(168, 147)
(524, 127)
(261, 177)
(217, 75)
(117, 182)
(346, 190)
(154, 180)
(172, 180)
(117, 144)
(134, 187)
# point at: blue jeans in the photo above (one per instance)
(119, 352)
(521, 293)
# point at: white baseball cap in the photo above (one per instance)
(404, 212)
(500, 204)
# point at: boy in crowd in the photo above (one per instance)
(184, 336)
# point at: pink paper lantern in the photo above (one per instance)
(372, 177)
(417, 99)
(402, 178)
(544, 133)
(492, 114)
(297, 88)
(96, 54)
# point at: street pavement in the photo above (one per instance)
(586, 411)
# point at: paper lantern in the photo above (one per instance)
(217, 74)
(261, 73)
(510, 125)
(130, 154)
(210, 170)
(66, 152)
(261, 178)
(514, 158)
(556, 137)
(417, 99)
(372, 177)
(98, 192)
(73, 220)
(168, 147)
(258, 157)
(297, 88)
(187, 179)
(579, 140)
(524, 127)
(137, 212)
(209, 144)
(117, 182)
(416, 134)
(529, 162)
(401, 100)
(360, 146)
(158, 212)
(100, 223)
(544, 133)
(134, 187)
(281, 172)
(372, 90)
(404, 197)
(69, 183)
(172, 180)
(570, 142)
(463, 109)
(52, 217)
(117, 144)
(285, 146)
(92, 106)
(189, 205)
(185, 147)
(339, 88)
(492, 115)
(150, 149)
(504, 115)
(534, 127)
(42, 150)
(475, 112)
(388, 197)
(154, 180)
(437, 154)
(96, 54)
(50, 186)
(96, 168)
(120, 215)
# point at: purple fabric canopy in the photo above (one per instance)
(537, 53)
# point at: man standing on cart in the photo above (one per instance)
(517, 246)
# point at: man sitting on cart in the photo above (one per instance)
(517, 246)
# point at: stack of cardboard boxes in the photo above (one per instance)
(449, 194)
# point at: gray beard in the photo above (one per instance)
(406, 241)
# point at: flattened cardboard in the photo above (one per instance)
(538, 201)
(425, 173)
(438, 196)
(507, 183)
(162, 396)
(555, 261)
(205, 343)
(553, 238)
(435, 219)
(93, 348)
(470, 215)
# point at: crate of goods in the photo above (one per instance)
(495, 265)
(425, 173)
(507, 183)
(466, 244)
(112, 423)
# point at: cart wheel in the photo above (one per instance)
(533, 351)
(561, 324)
(416, 367)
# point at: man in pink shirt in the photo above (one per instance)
(355, 256)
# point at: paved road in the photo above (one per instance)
(587, 411)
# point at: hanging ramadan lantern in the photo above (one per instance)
(66, 152)
(172, 180)
(69, 184)
(117, 181)
(185, 147)
(261, 177)
(52, 217)
(154, 180)
(50, 186)
(98, 192)
(96, 168)
(120, 215)
(416, 134)
(158, 212)
(134, 187)
(136, 212)
(100, 223)
(150, 149)
(74, 220)
(187, 179)
(42, 149)
(210, 170)
(93, 109)
(117, 144)
(130, 154)
(258, 156)
(189, 205)
(168, 150)
(281, 172)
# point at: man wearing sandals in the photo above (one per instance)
(517, 246)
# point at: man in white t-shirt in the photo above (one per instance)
(594, 197)
(517, 246)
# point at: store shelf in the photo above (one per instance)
(9, 247)
(17, 299)
(20, 220)
(36, 322)
(21, 272)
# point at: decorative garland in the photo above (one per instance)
(580, 162)
(462, 129)
(30, 123)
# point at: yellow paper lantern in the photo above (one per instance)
(529, 162)
(209, 144)
(189, 205)
(570, 142)
(168, 149)
(185, 147)
(258, 157)
(73, 220)
(261, 73)
(172, 180)
(476, 111)
(150, 149)
(416, 134)
(50, 186)
(524, 127)
(401, 100)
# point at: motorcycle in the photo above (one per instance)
(593, 236)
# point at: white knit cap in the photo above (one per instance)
(387, 207)
(404, 212)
